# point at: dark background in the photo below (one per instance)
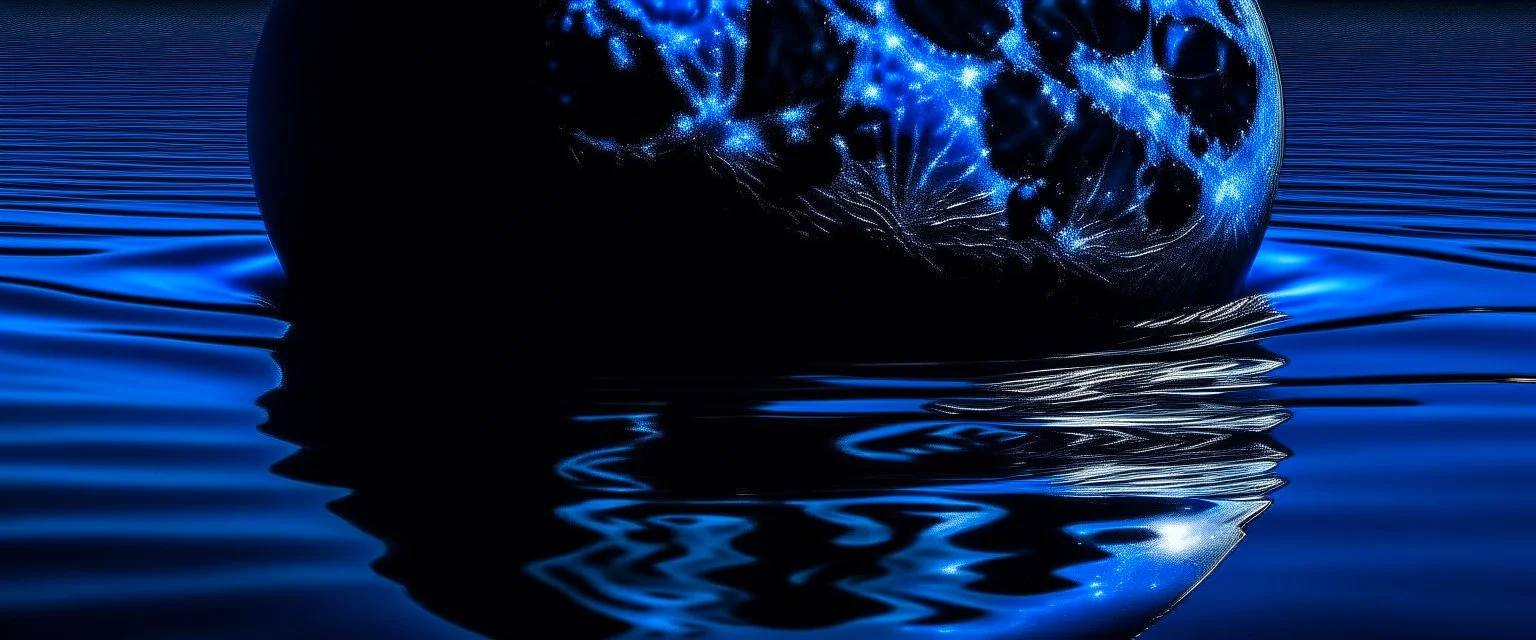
(145, 495)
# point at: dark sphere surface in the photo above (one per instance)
(1126, 142)
(692, 176)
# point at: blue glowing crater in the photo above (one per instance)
(1131, 142)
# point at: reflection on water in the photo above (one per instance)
(141, 500)
(1076, 497)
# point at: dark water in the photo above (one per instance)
(1349, 450)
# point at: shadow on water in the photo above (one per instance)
(137, 502)
(1078, 496)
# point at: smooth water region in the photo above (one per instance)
(1345, 450)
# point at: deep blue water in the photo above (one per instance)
(1348, 451)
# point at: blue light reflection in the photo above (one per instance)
(1024, 506)
(935, 182)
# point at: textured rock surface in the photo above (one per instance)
(680, 180)
(1132, 144)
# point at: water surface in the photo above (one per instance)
(1345, 450)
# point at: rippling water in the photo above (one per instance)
(1347, 449)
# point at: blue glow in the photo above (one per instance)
(741, 137)
(622, 58)
(588, 469)
(677, 596)
(933, 185)
(861, 406)
(919, 546)
(660, 558)
(140, 498)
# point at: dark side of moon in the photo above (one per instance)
(825, 178)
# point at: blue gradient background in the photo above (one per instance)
(135, 494)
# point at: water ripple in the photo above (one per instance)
(137, 497)
(1388, 340)
(984, 506)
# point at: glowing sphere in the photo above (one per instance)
(1129, 145)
